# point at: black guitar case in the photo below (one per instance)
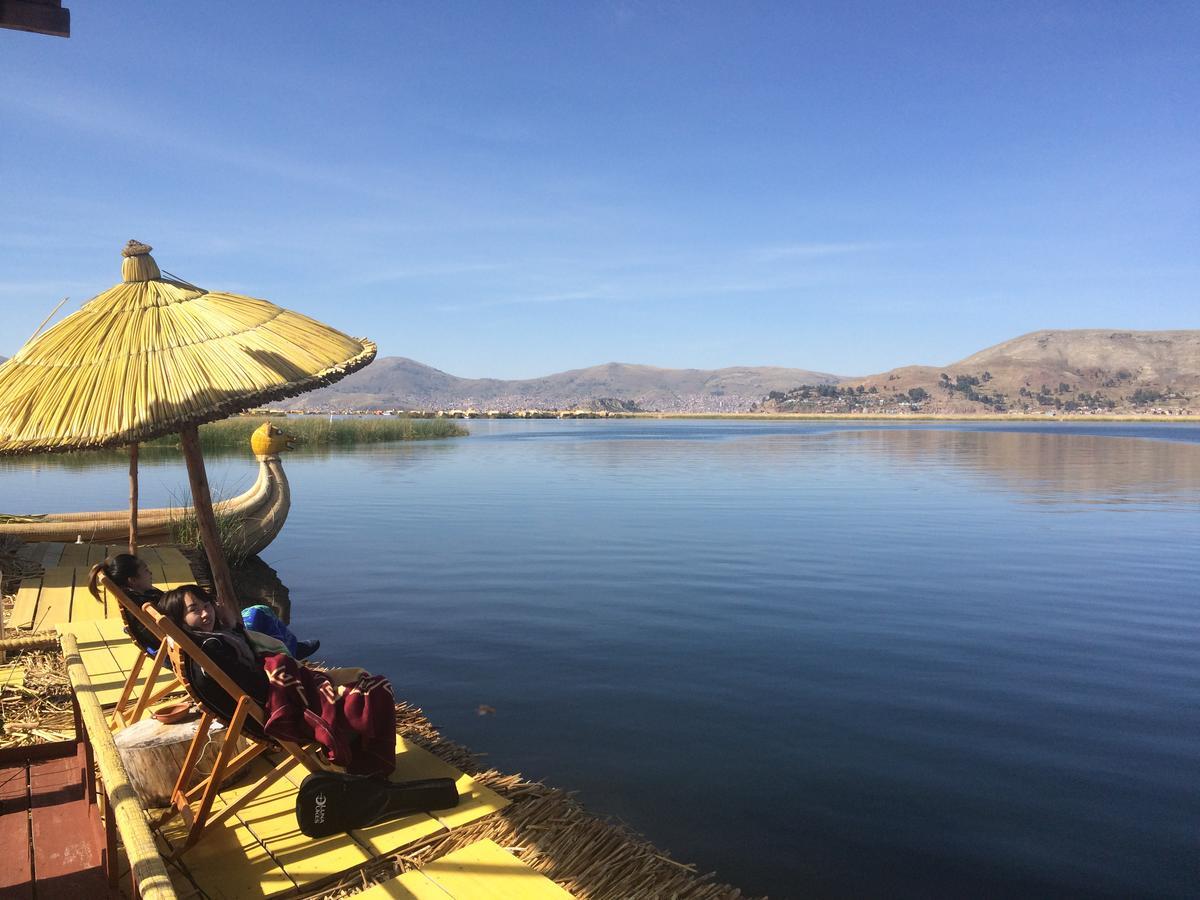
(330, 802)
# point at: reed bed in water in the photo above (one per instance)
(185, 531)
(319, 431)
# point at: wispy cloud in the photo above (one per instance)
(528, 300)
(660, 287)
(102, 119)
(417, 272)
(813, 250)
(667, 277)
(622, 15)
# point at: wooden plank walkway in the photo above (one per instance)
(260, 850)
(479, 871)
(50, 825)
(12, 675)
(108, 655)
(16, 873)
(60, 594)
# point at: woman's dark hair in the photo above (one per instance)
(173, 604)
(120, 568)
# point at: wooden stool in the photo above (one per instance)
(153, 753)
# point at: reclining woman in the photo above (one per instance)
(134, 577)
(349, 712)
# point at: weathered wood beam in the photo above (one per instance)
(133, 498)
(227, 603)
(38, 16)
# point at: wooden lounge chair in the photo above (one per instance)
(133, 616)
(245, 722)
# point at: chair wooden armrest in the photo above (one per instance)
(133, 612)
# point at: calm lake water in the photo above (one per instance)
(830, 660)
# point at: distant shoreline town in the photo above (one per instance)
(1156, 414)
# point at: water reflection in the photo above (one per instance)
(960, 693)
(1040, 466)
(98, 480)
(255, 582)
(165, 456)
(1045, 466)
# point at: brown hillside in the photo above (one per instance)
(1086, 370)
(1157, 356)
(1053, 369)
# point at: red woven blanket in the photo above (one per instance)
(354, 723)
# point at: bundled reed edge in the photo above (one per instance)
(547, 830)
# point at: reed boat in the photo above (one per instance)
(262, 509)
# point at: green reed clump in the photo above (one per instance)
(185, 531)
(319, 431)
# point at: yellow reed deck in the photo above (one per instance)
(60, 595)
(260, 851)
(108, 654)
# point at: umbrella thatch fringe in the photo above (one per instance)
(154, 354)
(198, 404)
(546, 829)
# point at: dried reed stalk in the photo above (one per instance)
(14, 565)
(40, 710)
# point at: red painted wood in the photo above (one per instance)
(22, 756)
(68, 842)
(14, 788)
(15, 880)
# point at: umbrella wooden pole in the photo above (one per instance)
(227, 604)
(133, 498)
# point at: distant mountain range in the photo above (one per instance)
(1045, 369)
(1097, 369)
(395, 382)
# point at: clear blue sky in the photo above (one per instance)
(512, 189)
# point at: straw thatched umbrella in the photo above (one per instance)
(154, 356)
